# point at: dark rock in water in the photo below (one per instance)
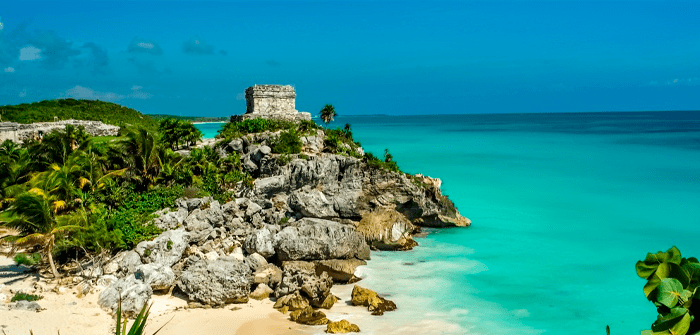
(308, 316)
(409, 263)
(216, 282)
(374, 303)
(341, 327)
(316, 239)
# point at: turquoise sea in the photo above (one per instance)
(562, 206)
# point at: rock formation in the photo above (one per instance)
(19, 132)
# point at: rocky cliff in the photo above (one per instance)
(305, 224)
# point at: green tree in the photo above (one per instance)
(328, 113)
(143, 161)
(36, 223)
(387, 156)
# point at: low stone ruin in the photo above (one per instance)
(19, 132)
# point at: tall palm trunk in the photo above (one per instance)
(49, 253)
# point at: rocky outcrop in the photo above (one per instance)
(133, 293)
(315, 239)
(341, 270)
(19, 132)
(387, 229)
(374, 303)
(341, 327)
(309, 316)
(216, 282)
(301, 277)
(291, 302)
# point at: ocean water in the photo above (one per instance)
(209, 129)
(562, 206)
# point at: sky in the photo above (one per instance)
(195, 58)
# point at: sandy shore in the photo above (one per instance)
(62, 310)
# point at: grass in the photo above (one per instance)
(27, 259)
(24, 296)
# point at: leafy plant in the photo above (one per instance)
(327, 113)
(672, 285)
(27, 259)
(139, 325)
(287, 143)
(284, 159)
(24, 296)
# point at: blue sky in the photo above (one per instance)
(392, 57)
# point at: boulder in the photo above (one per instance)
(129, 262)
(308, 316)
(316, 239)
(216, 283)
(299, 278)
(261, 292)
(291, 302)
(261, 242)
(269, 275)
(170, 218)
(255, 262)
(311, 203)
(134, 294)
(270, 185)
(374, 303)
(159, 276)
(166, 249)
(341, 327)
(197, 224)
(387, 229)
(236, 145)
(341, 270)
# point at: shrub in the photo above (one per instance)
(672, 285)
(376, 163)
(284, 220)
(284, 159)
(287, 143)
(28, 259)
(24, 296)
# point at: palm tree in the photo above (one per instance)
(142, 149)
(387, 156)
(36, 223)
(328, 113)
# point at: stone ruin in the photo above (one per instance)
(271, 102)
(19, 132)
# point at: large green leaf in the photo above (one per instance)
(651, 285)
(667, 321)
(681, 327)
(645, 270)
(669, 290)
(673, 270)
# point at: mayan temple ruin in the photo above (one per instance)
(271, 102)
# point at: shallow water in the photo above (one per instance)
(562, 205)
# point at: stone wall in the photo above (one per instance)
(19, 132)
(271, 102)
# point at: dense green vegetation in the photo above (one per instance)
(64, 109)
(27, 259)
(233, 130)
(175, 133)
(672, 285)
(71, 193)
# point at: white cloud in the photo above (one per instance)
(9, 69)
(29, 53)
(23, 93)
(136, 87)
(80, 92)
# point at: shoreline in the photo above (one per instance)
(207, 122)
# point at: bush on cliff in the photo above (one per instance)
(287, 143)
(376, 163)
(235, 129)
(673, 286)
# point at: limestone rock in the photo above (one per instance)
(341, 270)
(301, 277)
(261, 292)
(311, 203)
(261, 242)
(375, 304)
(387, 229)
(134, 294)
(315, 239)
(216, 282)
(170, 219)
(166, 249)
(129, 262)
(341, 327)
(255, 262)
(292, 302)
(158, 276)
(270, 275)
(308, 316)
